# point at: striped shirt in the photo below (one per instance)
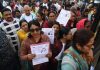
(11, 28)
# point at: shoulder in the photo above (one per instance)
(25, 42)
(23, 15)
(45, 38)
(19, 31)
(69, 61)
(2, 24)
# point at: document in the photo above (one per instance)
(63, 17)
(50, 33)
(40, 50)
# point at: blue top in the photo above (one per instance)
(73, 63)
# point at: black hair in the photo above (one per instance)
(17, 11)
(63, 31)
(56, 23)
(14, 12)
(41, 14)
(21, 21)
(81, 37)
(52, 12)
(5, 9)
(34, 22)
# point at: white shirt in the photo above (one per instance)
(28, 18)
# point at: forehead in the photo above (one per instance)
(55, 25)
(23, 23)
(7, 12)
(27, 8)
(33, 26)
(51, 13)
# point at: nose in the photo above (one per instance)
(9, 15)
(35, 31)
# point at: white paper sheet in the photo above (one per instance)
(63, 17)
(40, 50)
(50, 33)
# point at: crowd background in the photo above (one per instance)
(21, 22)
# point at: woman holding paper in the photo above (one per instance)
(35, 37)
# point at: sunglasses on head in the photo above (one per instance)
(37, 29)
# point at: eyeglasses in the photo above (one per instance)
(37, 29)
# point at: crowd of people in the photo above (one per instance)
(21, 23)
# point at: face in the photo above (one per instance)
(94, 11)
(27, 11)
(68, 36)
(33, 1)
(46, 12)
(72, 16)
(39, 17)
(88, 46)
(18, 14)
(52, 17)
(87, 26)
(8, 16)
(35, 31)
(24, 26)
(56, 28)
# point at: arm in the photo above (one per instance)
(23, 51)
(24, 55)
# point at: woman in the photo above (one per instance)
(75, 57)
(35, 37)
(22, 33)
(84, 24)
(53, 62)
(72, 21)
(41, 18)
(60, 44)
(63, 41)
(51, 18)
(57, 28)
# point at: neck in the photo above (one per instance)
(40, 20)
(36, 39)
(63, 40)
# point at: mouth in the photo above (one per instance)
(10, 18)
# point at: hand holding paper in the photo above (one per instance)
(49, 55)
(31, 56)
(41, 50)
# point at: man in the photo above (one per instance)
(10, 26)
(28, 16)
(8, 58)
